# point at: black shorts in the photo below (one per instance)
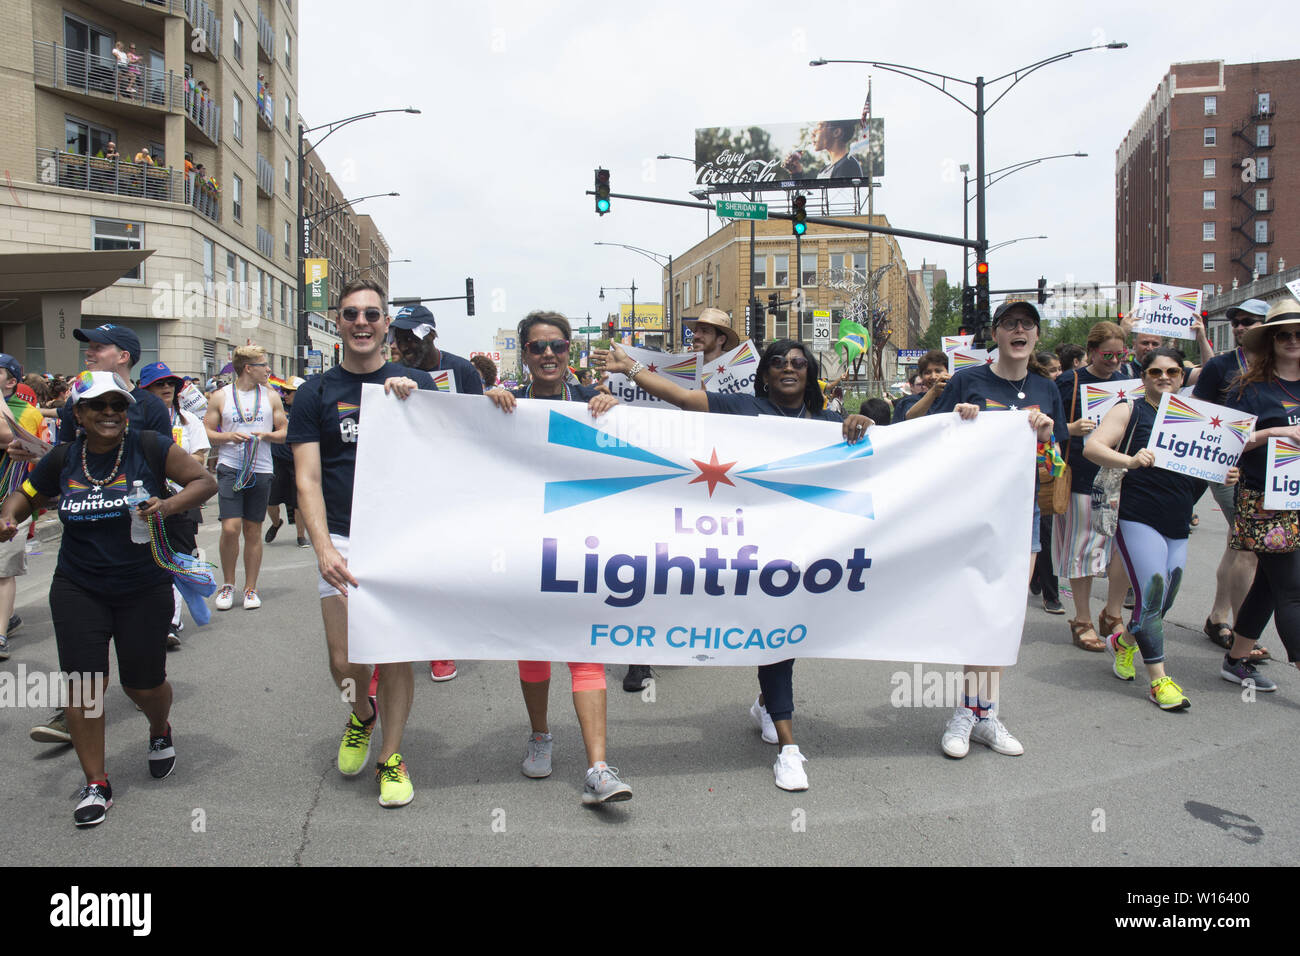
(182, 531)
(284, 486)
(247, 503)
(85, 621)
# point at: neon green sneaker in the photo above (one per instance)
(355, 748)
(1123, 655)
(395, 788)
(1167, 695)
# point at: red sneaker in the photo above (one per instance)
(442, 670)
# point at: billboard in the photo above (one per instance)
(316, 271)
(830, 151)
(649, 317)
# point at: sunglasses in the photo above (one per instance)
(1238, 323)
(796, 362)
(1024, 324)
(351, 314)
(1280, 336)
(100, 405)
(557, 346)
(1112, 356)
(1165, 372)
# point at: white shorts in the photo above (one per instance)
(324, 587)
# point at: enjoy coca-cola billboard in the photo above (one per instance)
(834, 152)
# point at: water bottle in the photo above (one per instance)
(139, 524)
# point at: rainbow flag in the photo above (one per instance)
(347, 408)
(276, 382)
(1179, 411)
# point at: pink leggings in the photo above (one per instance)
(584, 676)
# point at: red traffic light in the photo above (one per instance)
(982, 268)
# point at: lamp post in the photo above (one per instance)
(655, 257)
(624, 288)
(979, 110)
(998, 245)
(304, 224)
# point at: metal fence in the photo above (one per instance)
(203, 197)
(203, 111)
(202, 16)
(74, 171)
(265, 176)
(58, 66)
(265, 37)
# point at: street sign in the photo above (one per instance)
(314, 358)
(589, 330)
(727, 209)
(821, 330)
(910, 355)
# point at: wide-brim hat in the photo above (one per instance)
(1284, 312)
(89, 385)
(717, 319)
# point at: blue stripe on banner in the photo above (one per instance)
(822, 456)
(566, 494)
(566, 431)
(848, 502)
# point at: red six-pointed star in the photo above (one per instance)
(722, 368)
(1120, 394)
(652, 368)
(1166, 296)
(1216, 422)
(714, 472)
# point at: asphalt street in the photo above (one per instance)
(1107, 778)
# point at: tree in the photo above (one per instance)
(945, 314)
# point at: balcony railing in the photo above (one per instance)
(265, 177)
(265, 38)
(203, 111)
(172, 7)
(265, 243)
(76, 70)
(265, 107)
(93, 174)
(205, 19)
(204, 196)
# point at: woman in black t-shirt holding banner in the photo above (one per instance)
(105, 586)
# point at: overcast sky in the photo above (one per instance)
(521, 101)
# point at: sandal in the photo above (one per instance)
(1259, 654)
(1218, 632)
(1079, 631)
(1110, 625)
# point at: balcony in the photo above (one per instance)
(202, 111)
(265, 177)
(265, 243)
(202, 17)
(265, 38)
(1261, 113)
(112, 176)
(265, 107)
(204, 195)
(98, 78)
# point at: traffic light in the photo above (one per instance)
(967, 306)
(469, 296)
(1042, 291)
(772, 302)
(609, 330)
(800, 214)
(981, 297)
(336, 353)
(602, 191)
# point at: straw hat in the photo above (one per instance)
(1285, 312)
(716, 318)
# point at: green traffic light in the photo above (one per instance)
(602, 205)
(800, 228)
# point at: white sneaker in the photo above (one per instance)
(225, 597)
(789, 769)
(993, 735)
(763, 721)
(956, 736)
(251, 601)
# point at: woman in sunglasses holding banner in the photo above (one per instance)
(544, 339)
(106, 586)
(784, 386)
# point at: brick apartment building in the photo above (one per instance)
(1207, 181)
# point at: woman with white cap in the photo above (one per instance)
(105, 586)
(1270, 390)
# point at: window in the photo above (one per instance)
(806, 325)
(1261, 199)
(1207, 168)
(781, 325)
(1207, 199)
(209, 266)
(1207, 290)
(760, 271)
(116, 234)
(230, 278)
(1261, 168)
(268, 306)
(808, 268)
(237, 198)
(288, 175)
(1211, 105)
(1261, 231)
(1211, 135)
(1261, 135)
(237, 38)
(1264, 103)
(1261, 263)
(1207, 232)
(86, 139)
(288, 237)
(237, 119)
(699, 287)
(1207, 262)
(288, 51)
(288, 111)
(780, 271)
(243, 284)
(860, 262)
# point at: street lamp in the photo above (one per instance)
(304, 224)
(655, 257)
(979, 110)
(998, 245)
(624, 288)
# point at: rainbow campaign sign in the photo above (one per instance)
(733, 372)
(1167, 310)
(952, 343)
(1097, 398)
(1282, 475)
(444, 381)
(959, 359)
(1198, 438)
(658, 536)
(681, 367)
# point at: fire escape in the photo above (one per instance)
(1246, 209)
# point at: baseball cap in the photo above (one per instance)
(1256, 307)
(11, 365)
(155, 372)
(1006, 307)
(412, 317)
(110, 334)
(93, 384)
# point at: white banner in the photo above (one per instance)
(1282, 476)
(952, 343)
(1198, 438)
(959, 359)
(675, 538)
(1097, 398)
(1166, 310)
(733, 372)
(681, 367)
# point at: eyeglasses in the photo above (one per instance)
(1165, 372)
(100, 405)
(557, 346)
(351, 314)
(796, 362)
(1237, 322)
(1280, 336)
(1111, 356)
(257, 365)
(1024, 323)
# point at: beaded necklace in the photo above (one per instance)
(567, 395)
(246, 475)
(257, 405)
(184, 566)
(100, 482)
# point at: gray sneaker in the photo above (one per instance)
(53, 731)
(537, 758)
(603, 785)
(1243, 672)
(4, 648)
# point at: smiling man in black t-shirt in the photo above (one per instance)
(323, 432)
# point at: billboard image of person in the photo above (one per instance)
(831, 151)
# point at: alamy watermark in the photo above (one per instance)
(50, 690)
